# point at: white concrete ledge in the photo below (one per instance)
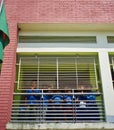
(60, 126)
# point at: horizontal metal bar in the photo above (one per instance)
(84, 93)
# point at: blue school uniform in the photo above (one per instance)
(91, 101)
(68, 99)
(32, 99)
(82, 102)
(92, 107)
(57, 99)
(91, 97)
(81, 107)
(46, 99)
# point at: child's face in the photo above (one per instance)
(33, 84)
(58, 91)
(69, 91)
(82, 87)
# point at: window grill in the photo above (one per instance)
(112, 68)
(60, 72)
(63, 74)
(43, 111)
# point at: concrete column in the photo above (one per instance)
(107, 86)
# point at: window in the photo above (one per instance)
(55, 71)
(112, 68)
(110, 39)
(58, 71)
(57, 39)
(67, 74)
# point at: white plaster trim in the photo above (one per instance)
(64, 49)
(60, 126)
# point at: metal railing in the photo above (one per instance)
(51, 110)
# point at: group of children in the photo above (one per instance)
(56, 96)
(60, 104)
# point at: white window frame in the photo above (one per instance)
(63, 68)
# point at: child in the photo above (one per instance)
(81, 105)
(45, 100)
(69, 105)
(56, 106)
(92, 107)
(32, 94)
(32, 100)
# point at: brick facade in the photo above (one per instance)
(43, 11)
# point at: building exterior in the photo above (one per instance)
(62, 43)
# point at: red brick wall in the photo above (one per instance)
(43, 11)
(79, 11)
